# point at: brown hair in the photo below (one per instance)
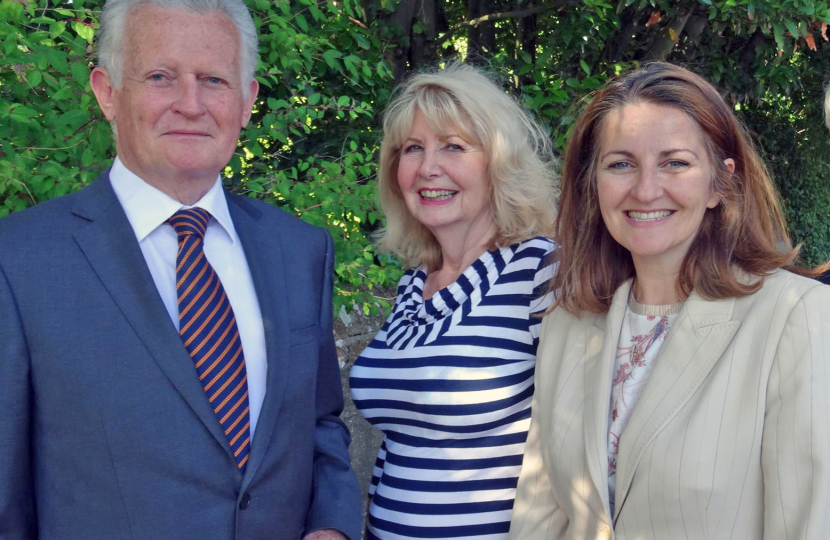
(746, 233)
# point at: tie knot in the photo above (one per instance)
(189, 221)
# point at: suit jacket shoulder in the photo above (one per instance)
(780, 293)
(291, 229)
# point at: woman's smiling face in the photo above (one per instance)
(654, 182)
(443, 179)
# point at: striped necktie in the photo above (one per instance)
(208, 328)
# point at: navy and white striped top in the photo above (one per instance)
(449, 380)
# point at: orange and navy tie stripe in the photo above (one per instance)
(208, 328)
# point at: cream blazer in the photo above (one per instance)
(730, 438)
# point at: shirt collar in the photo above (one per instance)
(147, 207)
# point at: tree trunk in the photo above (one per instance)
(422, 49)
(481, 37)
(399, 23)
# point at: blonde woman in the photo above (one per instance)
(467, 185)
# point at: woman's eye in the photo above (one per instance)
(677, 163)
(619, 166)
(454, 147)
(411, 148)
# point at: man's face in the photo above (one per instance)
(180, 106)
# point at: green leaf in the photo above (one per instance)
(275, 104)
(361, 41)
(301, 22)
(57, 28)
(343, 101)
(331, 56)
(793, 29)
(778, 32)
(585, 67)
(58, 60)
(80, 72)
(87, 158)
(86, 32)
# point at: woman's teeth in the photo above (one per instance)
(437, 194)
(649, 216)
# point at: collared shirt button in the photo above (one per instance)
(245, 501)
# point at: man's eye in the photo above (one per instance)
(156, 77)
(214, 80)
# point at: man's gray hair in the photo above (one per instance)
(114, 17)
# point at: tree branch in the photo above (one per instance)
(490, 17)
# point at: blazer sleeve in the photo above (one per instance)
(17, 507)
(536, 514)
(336, 495)
(795, 451)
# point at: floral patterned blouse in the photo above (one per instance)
(643, 332)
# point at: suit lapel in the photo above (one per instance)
(696, 341)
(264, 254)
(600, 354)
(110, 246)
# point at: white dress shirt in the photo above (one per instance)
(147, 209)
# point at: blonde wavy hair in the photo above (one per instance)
(520, 160)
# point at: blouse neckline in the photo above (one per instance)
(653, 310)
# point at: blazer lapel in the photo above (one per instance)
(696, 341)
(600, 355)
(110, 246)
(264, 254)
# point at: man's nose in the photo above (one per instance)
(189, 101)
(647, 185)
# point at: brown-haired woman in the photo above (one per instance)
(683, 377)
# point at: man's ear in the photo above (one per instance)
(253, 91)
(104, 91)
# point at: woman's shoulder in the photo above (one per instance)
(790, 286)
(538, 245)
(781, 292)
(534, 252)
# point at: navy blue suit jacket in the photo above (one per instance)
(105, 431)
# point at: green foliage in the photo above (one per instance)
(807, 197)
(326, 71)
(768, 58)
(53, 138)
(798, 150)
(310, 147)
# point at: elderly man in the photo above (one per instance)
(167, 369)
